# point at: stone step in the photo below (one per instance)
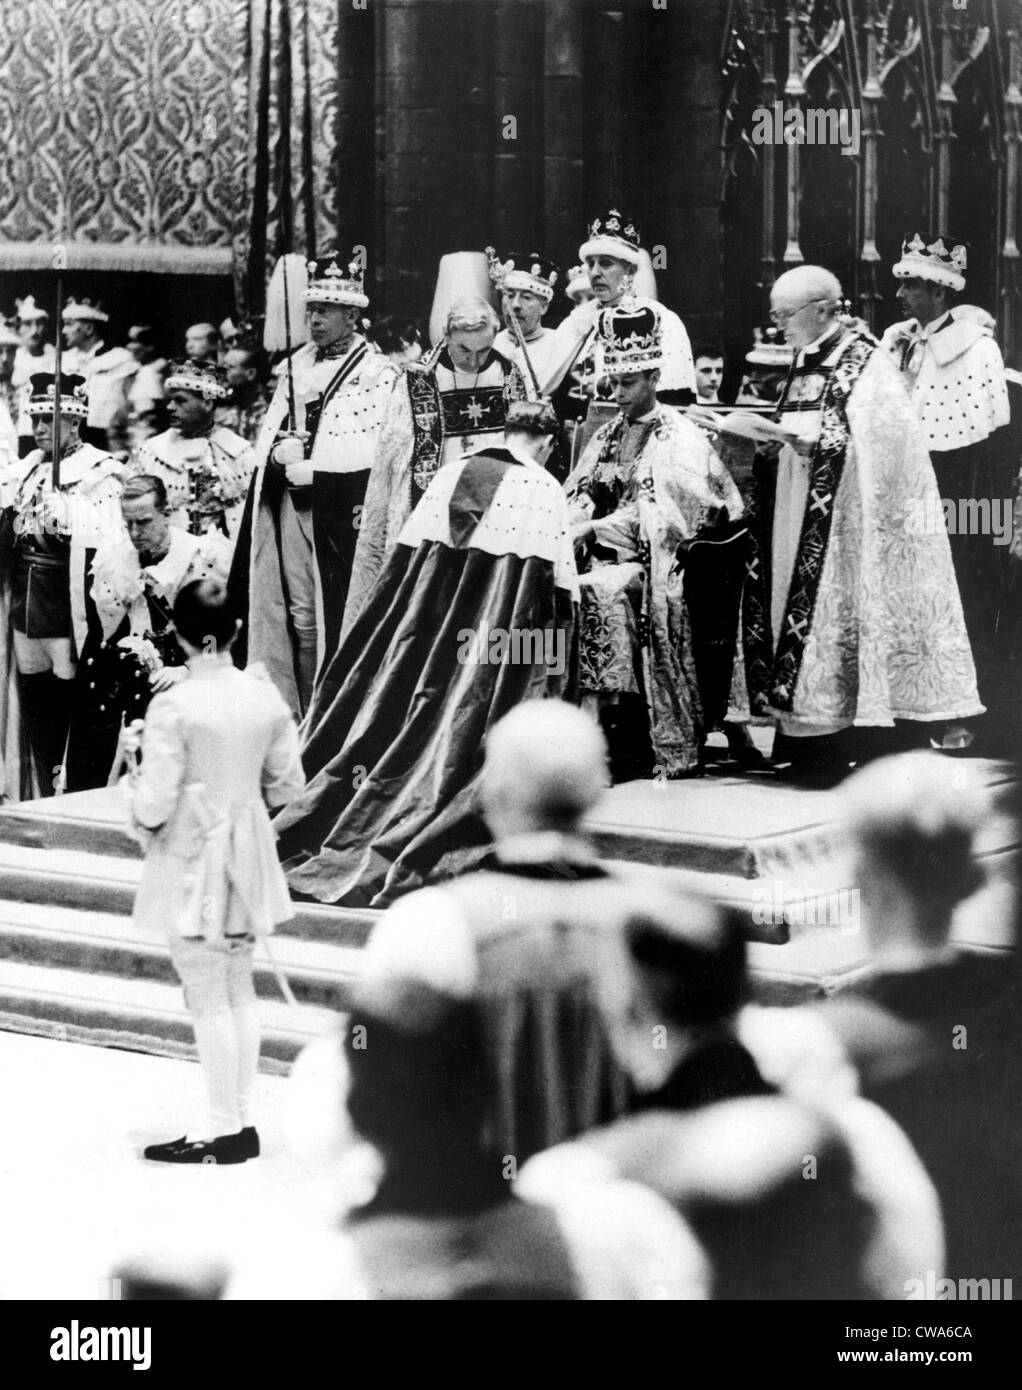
(98, 943)
(820, 961)
(94, 820)
(95, 882)
(756, 828)
(136, 1014)
(74, 965)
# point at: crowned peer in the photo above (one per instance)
(108, 371)
(34, 353)
(525, 284)
(314, 454)
(13, 419)
(205, 467)
(617, 268)
(577, 286)
(955, 374)
(54, 517)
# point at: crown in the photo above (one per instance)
(332, 281)
(74, 399)
(612, 235)
(29, 310)
(940, 259)
(80, 309)
(632, 337)
(518, 271)
(206, 379)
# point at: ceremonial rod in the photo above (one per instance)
(287, 347)
(516, 331)
(55, 465)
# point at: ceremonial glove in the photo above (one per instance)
(289, 453)
(290, 449)
(56, 513)
(299, 474)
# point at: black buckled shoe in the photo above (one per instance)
(160, 1152)
(225, 1148)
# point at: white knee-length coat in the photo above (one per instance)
(217, 750)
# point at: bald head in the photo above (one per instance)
(546, 767)
(808, 282)
(804, 303)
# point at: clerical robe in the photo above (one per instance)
(473, 612)
(434, 416)
(852, 616)
(648, 488)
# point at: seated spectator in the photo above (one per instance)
(244, 410)
(934, 1031)
(709, 363)
(202, 343)
(440, 1220)
(787, 1203)
(146, 396)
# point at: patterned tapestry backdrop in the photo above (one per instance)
(290, 200)
(166, 134)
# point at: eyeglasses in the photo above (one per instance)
(781, 316)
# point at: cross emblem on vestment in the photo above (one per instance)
(474, 410)
(796, 628)
(820, 502)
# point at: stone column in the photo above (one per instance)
(563, 200)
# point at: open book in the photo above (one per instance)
(744, 424)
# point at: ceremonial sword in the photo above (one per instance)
(55, 464)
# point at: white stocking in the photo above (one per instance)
(246, 1028)
(217, 1042)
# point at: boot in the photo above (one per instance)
(46, 704)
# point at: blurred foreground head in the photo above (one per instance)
(418, 1088)
(545, 769)
(677, 977)
(913, 832)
